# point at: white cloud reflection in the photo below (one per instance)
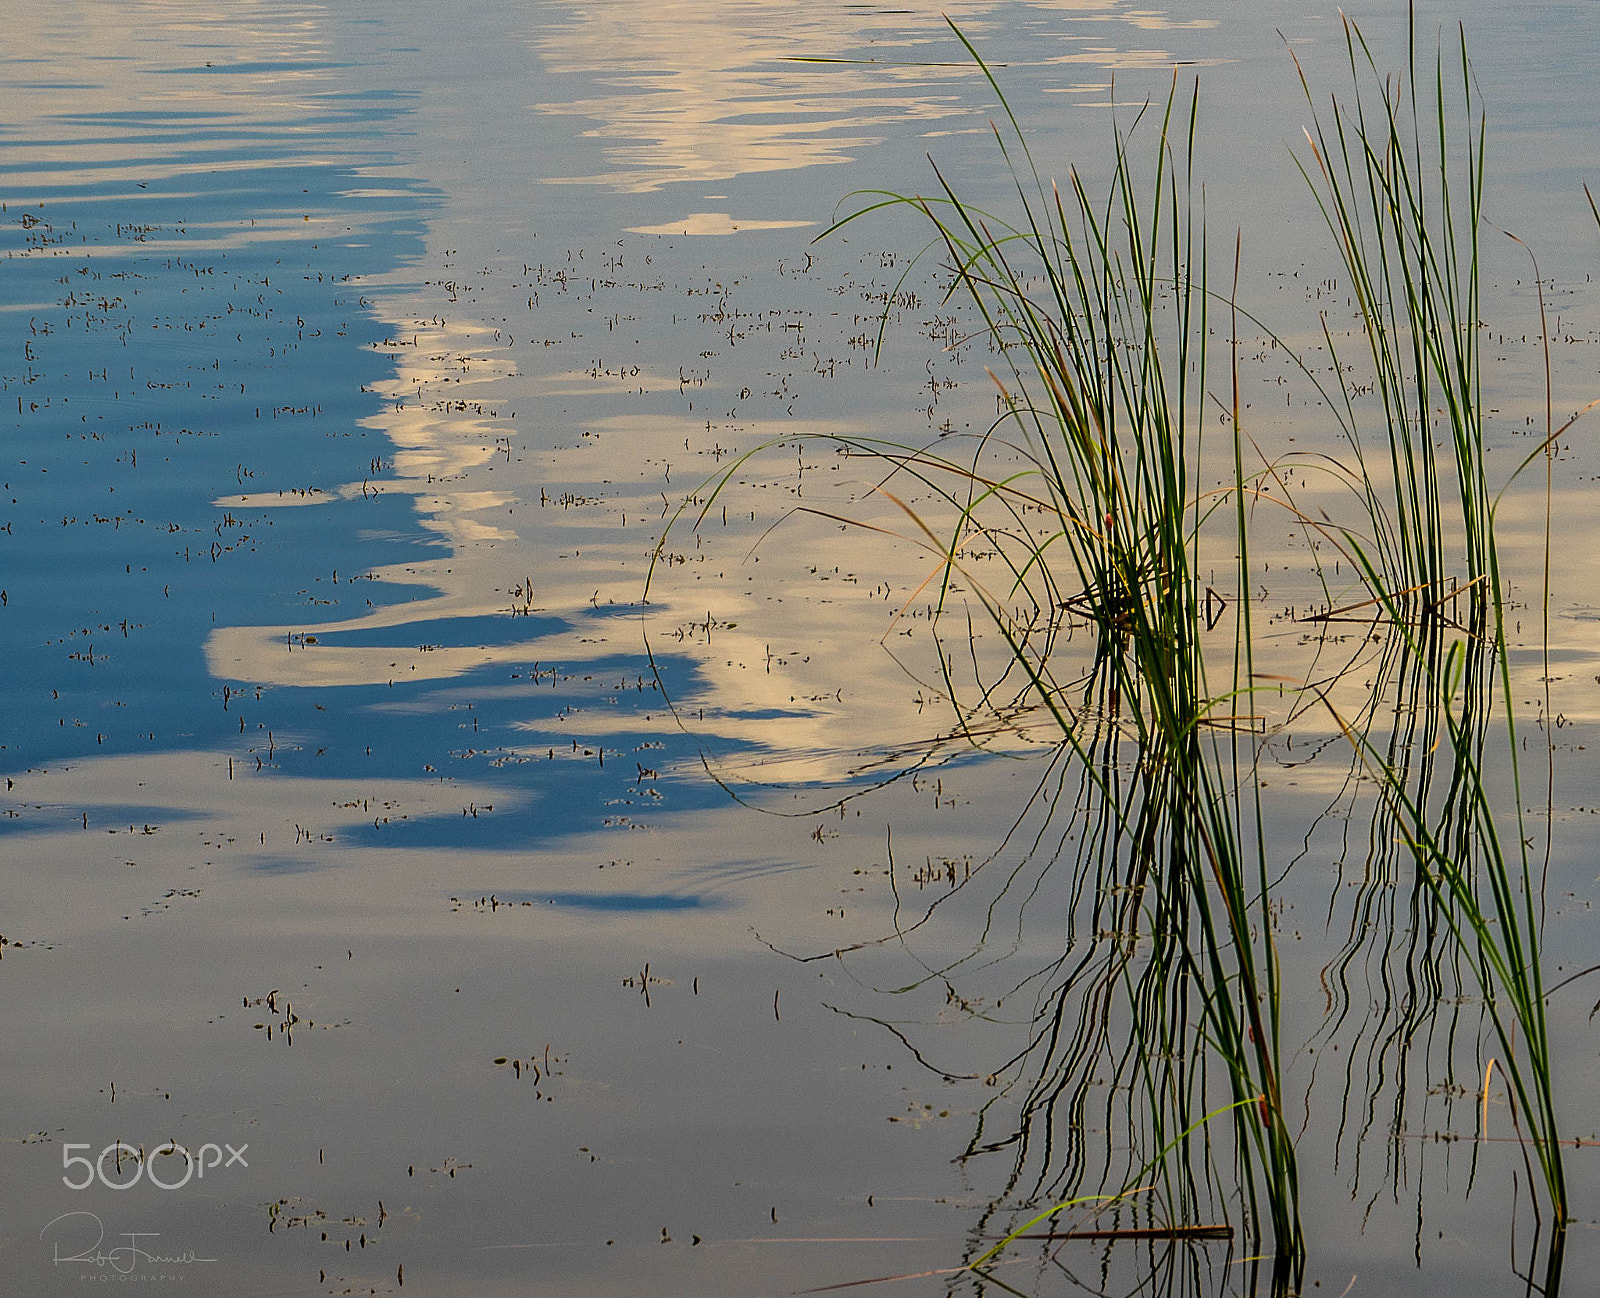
(691, 90)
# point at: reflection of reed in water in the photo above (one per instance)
(1162, 1008)
(1397, 988)
(1126, 1052)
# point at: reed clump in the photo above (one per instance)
(1095, 500)
(1398, 170)
(1100, 307)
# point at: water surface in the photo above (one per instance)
(361, 809)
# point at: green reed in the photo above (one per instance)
(1399, 175)
(1402, 197)
(1100, 308)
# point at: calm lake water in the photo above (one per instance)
(505, 933)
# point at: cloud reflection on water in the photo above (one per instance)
(700, 92)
